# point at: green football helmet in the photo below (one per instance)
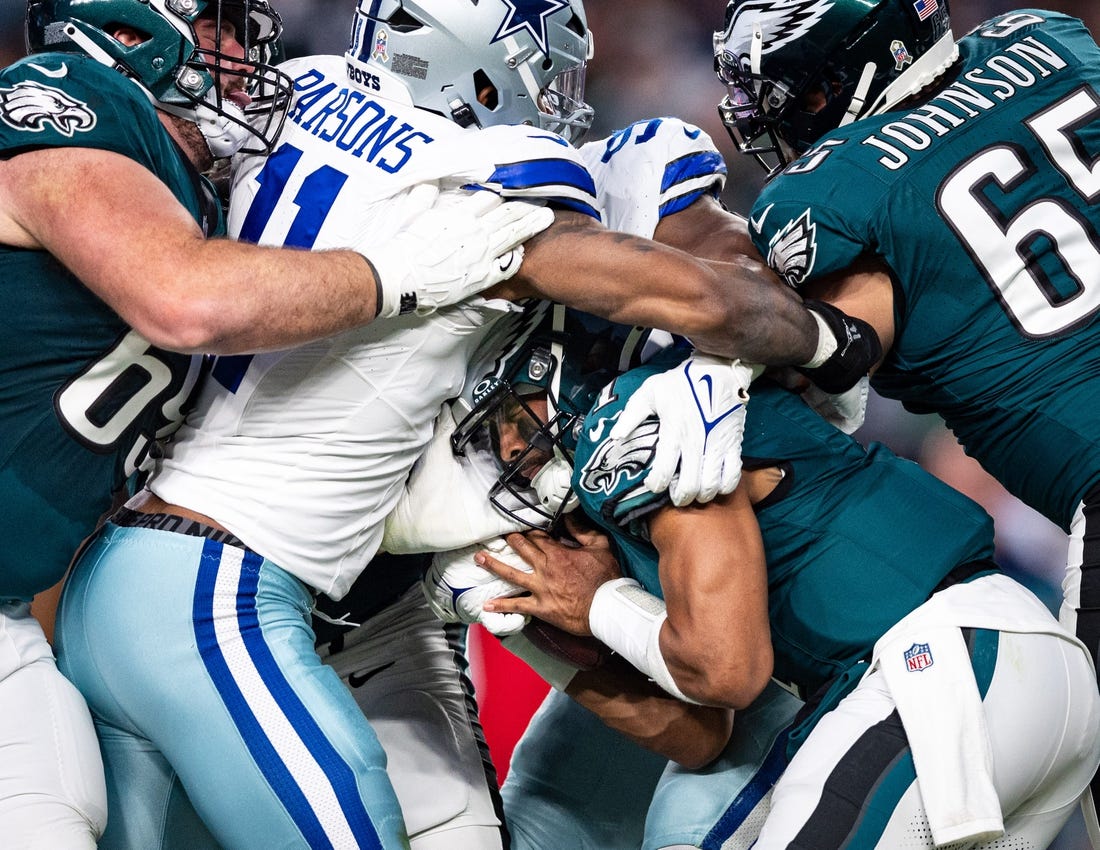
(796, 69)
(481, 62)
(549, 352)
(176, 74)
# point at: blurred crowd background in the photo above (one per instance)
(652, 58)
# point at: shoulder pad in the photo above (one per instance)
(651, 169)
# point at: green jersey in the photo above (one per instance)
(984, 202)
(82, 396)
(855, 538)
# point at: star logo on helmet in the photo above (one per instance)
(529, 15)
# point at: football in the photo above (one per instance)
(584, 653)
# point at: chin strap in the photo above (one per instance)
(90, 47)
(860, 96)
(553, 484)
(756, 51)
(226, 132)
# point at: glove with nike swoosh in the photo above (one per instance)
(456, 587)
(448, 248)
(701, 407)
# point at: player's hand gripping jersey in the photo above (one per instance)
(96, 421)
(303, 453)
(1013, 365)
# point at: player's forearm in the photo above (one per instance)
(690, 735)
(624, 278)
(729, 309)
(769, 323)
(244, 298)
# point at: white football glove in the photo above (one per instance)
(845, 410)
(450, 247)
(700, 406)
(446, 500)
(457, 588)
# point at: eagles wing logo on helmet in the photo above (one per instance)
(529, 15)
(617, 459)
(31, 106)
(781, 23)
(793, 250)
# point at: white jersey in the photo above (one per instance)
(652, 169)
(302, 453)
(642, 173)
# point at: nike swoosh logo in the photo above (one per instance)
(360, 677)
(56, 73)
(758, 223)
(706, 379)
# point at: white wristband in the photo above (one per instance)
(556, 672)
(826, 343)
(629, 620)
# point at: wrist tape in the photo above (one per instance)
(629, 620)
(826, 342)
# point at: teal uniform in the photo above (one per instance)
(833, 588)
(82, 396)
(984, 204)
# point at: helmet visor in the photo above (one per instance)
(750, 111)
(563, 107)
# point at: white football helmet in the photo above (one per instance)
(481, 62)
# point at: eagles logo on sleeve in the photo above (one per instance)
(615, 460)
(793, 250)
(33, 106)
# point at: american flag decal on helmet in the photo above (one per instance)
(926, 8)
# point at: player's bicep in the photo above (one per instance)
(866, 291)
(100, 213)
(707, 229)
(714, 578)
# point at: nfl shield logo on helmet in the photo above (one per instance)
(381, 41)
(918, 657)
(902, 57)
